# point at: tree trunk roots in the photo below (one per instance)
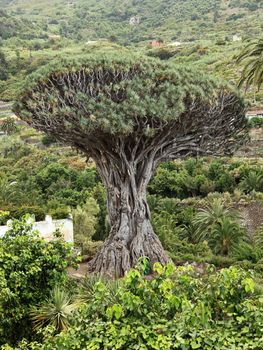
(120, 253)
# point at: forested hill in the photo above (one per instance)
(129, 21)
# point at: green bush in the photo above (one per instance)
(48, 140)
(256, 122)
(90, 248)
(19, 212)
(178, 309)
(60, 213)
(29, 268)
(221, 261)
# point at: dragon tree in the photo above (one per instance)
(129, 113)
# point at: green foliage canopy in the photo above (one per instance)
(83, 101)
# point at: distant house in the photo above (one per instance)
(236, 37)
(255, 114)
(156, 43)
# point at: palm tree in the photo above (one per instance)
(210, 215)
(252, 56)
(55, 311)
(219, 226)
(9, 192)
(225, 235)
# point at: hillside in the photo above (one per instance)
(137, 20)
(11, 26)
(33, 32)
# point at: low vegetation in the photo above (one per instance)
(206, 211)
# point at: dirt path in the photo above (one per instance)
(80, 272)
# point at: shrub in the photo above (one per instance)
(247, 251)
(19, 212)
(9, 126)
(178, 309)
(253, 181)
(48, 140)
(60, 213)
(85, 221)
(90, 248)
(256, 122)
(29, 268)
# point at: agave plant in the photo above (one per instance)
(56, 311)
(252, 56)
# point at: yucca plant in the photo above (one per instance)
(56, 311)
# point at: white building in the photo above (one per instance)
(48, 227)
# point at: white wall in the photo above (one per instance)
(48, 227)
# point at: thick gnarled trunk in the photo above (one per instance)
(131, 235)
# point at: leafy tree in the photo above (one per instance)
(225, 234)
(3, 67)
(85, 221)
(252, 56)
(130, 113)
